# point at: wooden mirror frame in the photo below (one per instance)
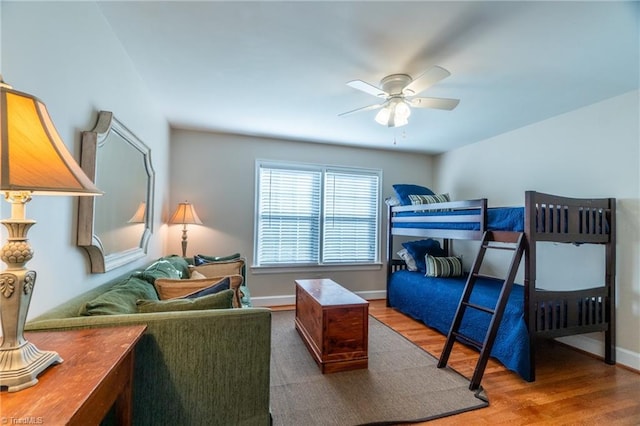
(100, 261)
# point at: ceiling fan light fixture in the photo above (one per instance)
(395, 114)
(382, 117)
(401, 113)
(402, 109)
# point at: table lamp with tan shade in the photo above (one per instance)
(185, 214)
(33, 161)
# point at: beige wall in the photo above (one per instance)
(66, 54)
(217, 173)
(590, 152)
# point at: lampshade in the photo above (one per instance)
(185, 214)
(140, 215)
(33, 160)
(33, 157)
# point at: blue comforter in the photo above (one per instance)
(498, 219)
(434, 301)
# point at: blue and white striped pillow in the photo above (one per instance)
(443, 267)
(429, 199)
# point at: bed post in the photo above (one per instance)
(530, 276)
(483, 215)
(610, 277)
(389, 252)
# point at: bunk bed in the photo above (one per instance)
(532, 311)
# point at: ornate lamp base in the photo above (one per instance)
(21, 365)
(20, 361)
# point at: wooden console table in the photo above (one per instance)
(96, 372)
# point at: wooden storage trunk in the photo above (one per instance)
(333, 323)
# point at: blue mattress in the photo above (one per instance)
(434, 301)
(498, 219)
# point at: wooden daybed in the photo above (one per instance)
(532, 310)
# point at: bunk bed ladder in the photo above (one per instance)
(515, 242)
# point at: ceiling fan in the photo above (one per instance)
(399, 90)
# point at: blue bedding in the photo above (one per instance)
(434, 301)
(498, 219)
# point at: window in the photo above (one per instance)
(316, 215)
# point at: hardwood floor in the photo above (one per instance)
(571, 388)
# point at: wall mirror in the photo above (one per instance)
(115, 228)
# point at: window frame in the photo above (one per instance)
(323, 169)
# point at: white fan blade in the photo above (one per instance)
(426, 80)
(368, 88)
(367, 108)
(437, 103)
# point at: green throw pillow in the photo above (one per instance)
(444, 267)
(179, 263)
(221, 300)
(245, 300)
(201, 259)
(160, 269)
(121, 298)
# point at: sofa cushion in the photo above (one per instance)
(179, 263)
(159, 269)
(171, 289)
(195, 275)
(201, 259)
(222, 268)
(245, 297)
(223, 284)
(121, 298)
(221, 300)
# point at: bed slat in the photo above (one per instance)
(569, 220)
(563, 313)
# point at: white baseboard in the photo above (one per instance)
(596, 347)
(588, 344)
(290, 299)
(273, 300)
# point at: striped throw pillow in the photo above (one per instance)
(429, 199)
(443, 266)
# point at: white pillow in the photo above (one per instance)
(408, 259)
(392, 201)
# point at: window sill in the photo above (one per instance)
(256, 270)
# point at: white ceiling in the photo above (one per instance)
(279, 69)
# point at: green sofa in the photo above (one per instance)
(200, 367)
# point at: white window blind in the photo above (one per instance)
(313, 215)
(289, 216)
(350, 217)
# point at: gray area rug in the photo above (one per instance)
(401, 385)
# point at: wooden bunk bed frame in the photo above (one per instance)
(547, 218)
